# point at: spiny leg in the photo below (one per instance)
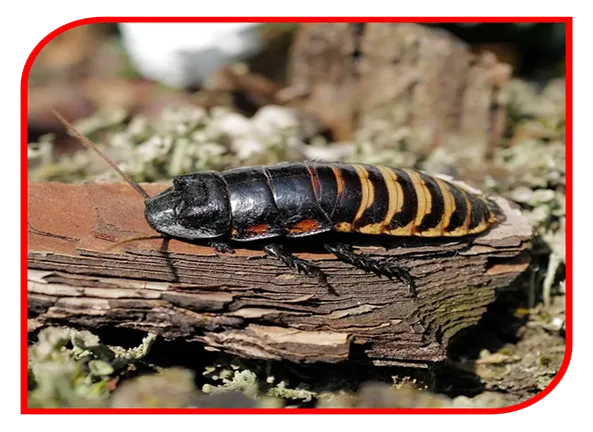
(298, 264)
(383, 267)
(221, 246)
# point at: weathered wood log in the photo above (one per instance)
(398, 79)
(248, 304)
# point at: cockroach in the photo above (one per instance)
(291, 200)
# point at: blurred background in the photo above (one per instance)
(482, 102)
(402, 86)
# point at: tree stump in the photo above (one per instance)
(249, 304)
(398, 80)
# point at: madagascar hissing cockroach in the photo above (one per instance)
(291, 200)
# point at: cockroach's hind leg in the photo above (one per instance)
(299, 265)
(392, 270)
(383, 267)
(221, 246)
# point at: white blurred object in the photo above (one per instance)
(185, 54)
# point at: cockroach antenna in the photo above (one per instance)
(91, 146)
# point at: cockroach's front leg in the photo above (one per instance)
(221, 246)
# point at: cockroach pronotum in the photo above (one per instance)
(291, 200)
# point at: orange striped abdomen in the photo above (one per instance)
(378, 200)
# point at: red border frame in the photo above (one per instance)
(569, 233)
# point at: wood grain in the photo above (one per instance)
(250, 304)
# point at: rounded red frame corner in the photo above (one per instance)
(569, 227)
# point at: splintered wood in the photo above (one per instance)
(249, 304)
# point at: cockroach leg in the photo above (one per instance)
(221, 246)
(299, 265)
(383, 267)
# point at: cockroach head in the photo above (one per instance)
(196, 207)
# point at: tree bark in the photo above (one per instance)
(249, 304)
(398, 79)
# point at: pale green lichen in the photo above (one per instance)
(177, 141)
(70, 367)
(281, 390)
(242, 381)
